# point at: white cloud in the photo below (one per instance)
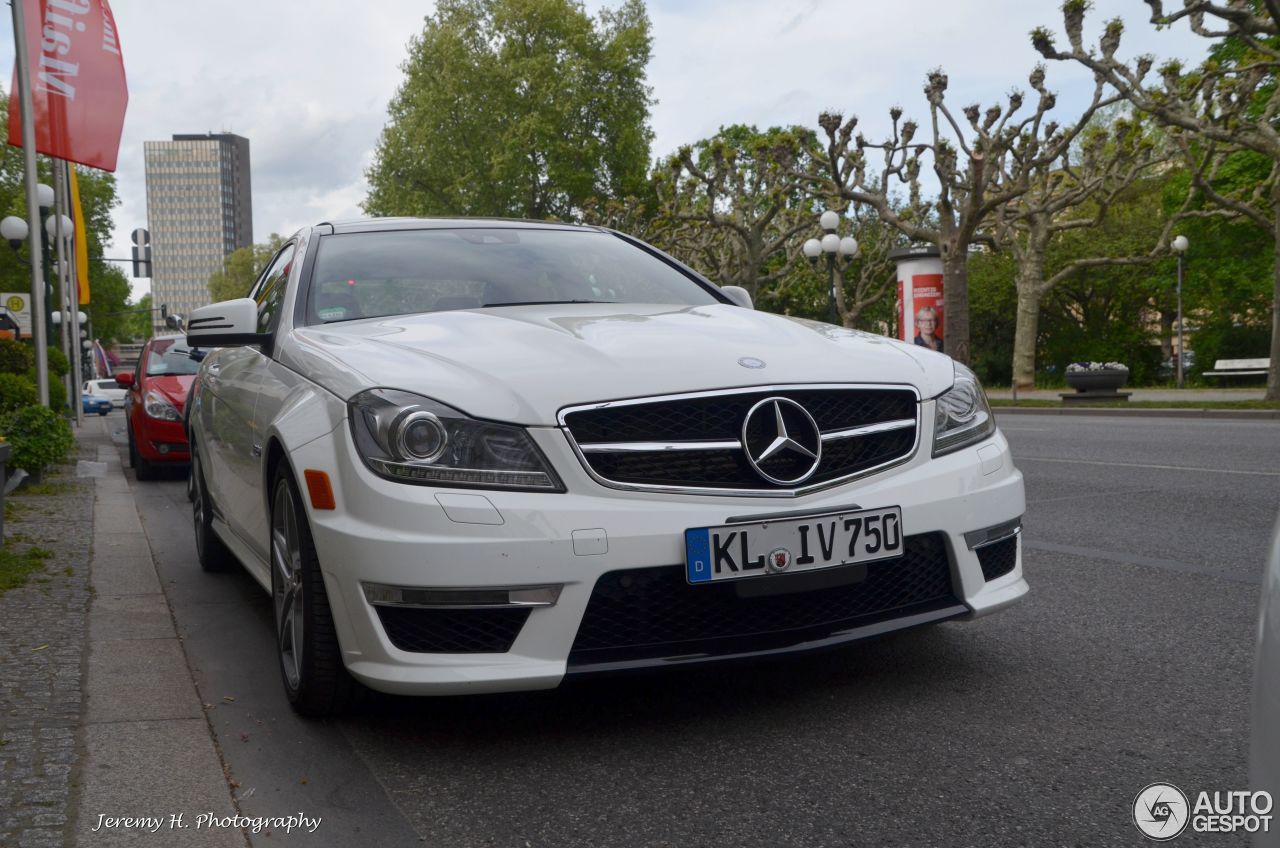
(308, 84)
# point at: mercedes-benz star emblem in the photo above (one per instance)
(782, 441)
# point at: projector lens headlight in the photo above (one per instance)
(961, 415)
(412, 439)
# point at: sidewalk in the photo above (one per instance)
(99, 716)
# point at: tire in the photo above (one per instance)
(213, 554)
(142, 469)
(315, 679)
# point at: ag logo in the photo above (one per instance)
(16, 304)
(1161, 812)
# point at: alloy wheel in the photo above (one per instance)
(286, 585)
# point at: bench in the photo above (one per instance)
(1239, 367)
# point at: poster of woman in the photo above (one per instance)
(929, 328)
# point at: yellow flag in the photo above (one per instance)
(81, 240)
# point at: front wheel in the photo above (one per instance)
(142, 469)
(315, 679)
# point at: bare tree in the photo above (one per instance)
(861, 283)
(732, 205)
(972, 168)
(1228, 105)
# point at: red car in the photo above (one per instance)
(153, 408)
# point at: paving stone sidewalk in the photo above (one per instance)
(42, 640)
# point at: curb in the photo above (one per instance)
(1241, 414)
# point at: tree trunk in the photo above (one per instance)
(955, 299)
(1026, 330)
(1273, 374)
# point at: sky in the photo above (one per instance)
(308, 84)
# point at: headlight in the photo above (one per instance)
(154, 404)
(961, 414)
(412, 439)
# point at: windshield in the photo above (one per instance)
(367, 275)
(107, 384)
(172, 356)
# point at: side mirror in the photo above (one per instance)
(175, 322)
(124, 379)
(226, 324)
(739, 296)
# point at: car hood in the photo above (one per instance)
(523, 364)
(174, 387)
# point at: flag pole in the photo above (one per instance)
(33, 204)
(74, 253)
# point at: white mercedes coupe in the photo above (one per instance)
(485, 455)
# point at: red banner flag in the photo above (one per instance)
(79, 93)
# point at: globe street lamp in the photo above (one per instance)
(831, 244)
(1180, 245)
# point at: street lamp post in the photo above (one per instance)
(1180, 245)
(831, 244)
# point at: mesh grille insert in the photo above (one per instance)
(649, 613)
(998, 558)
(452, 631)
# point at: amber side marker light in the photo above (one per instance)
(319, 489)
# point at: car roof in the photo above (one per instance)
(368, 225)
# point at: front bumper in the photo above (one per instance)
(393, 534)
(160, 441)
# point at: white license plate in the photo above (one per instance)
(734, 551)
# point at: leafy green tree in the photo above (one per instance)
(524, 108)
(140, 320)
(241, 269)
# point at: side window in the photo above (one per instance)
(269, 293)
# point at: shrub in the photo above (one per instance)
(39, 437)
(16, 391)
(16, 357)
(57, 391)
(59, 365)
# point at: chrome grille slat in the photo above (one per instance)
(641, 443)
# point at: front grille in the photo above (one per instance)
(452, 631)
(650, 613)
(719, 418)
(998, 558)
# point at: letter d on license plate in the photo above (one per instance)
(734, 551)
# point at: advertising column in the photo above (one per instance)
(920, 317)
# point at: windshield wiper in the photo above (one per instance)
(542, 302)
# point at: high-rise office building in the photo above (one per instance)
(199, 210)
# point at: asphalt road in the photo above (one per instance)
(1129, 663)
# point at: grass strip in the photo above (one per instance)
(17, 565)
(1140, 404)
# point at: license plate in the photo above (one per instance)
(734, 551)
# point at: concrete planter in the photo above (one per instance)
(1103, 380)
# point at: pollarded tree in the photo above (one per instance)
(1232, 105)
(972, 170)
(732, 204)
(520, 108)
(1073, 192)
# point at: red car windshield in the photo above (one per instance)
(173, 357)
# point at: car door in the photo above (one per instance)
(235, 380)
